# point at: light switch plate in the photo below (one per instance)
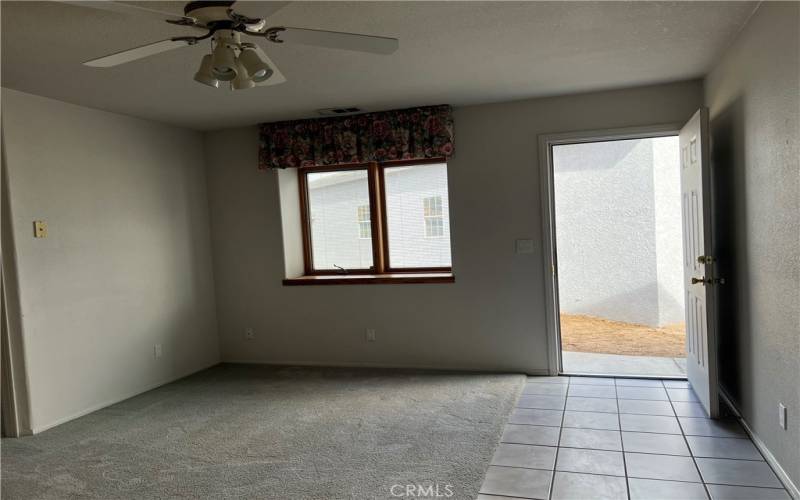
(524, 246)
(39, 229)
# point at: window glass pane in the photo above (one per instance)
(417, 216)
(341, 234)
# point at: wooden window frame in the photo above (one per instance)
(382, 271)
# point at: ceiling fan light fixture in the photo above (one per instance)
(258, 70)
(224, 62)
(242, 80)
(205, 74)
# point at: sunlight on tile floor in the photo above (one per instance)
(590, 363)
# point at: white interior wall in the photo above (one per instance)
(753, 95)
(126, 264)
(491, 318)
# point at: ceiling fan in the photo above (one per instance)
(242, 63)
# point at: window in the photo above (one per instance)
(400, 210)
(333, 197)
(434, 224)
(364, 223)
(416, 208)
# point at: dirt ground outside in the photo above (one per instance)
(589, 334)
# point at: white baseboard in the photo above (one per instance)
(41, 428)
(762, 447)
(542, 372)
(379, 365)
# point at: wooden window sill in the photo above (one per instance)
(371, 279)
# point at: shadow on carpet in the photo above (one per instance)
(242, 431)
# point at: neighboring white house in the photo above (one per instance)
(417, 211)
(618, 229)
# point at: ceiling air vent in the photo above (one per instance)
(339, 111)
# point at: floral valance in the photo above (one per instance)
(405, 134)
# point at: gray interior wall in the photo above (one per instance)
(127, 262)
(754, 105)
(492, 317)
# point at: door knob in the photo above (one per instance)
(695, 281)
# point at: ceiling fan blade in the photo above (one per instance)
(261, 11)
(126, 8)
(334, 40)
(269, 9)
(137, 53)
(277, 77)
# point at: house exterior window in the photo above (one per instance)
(388, 201)
(434, 223)
(364, 223)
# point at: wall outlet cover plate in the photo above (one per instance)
(524, 246)
(39, 229)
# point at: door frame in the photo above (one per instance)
(14, 393)
(547, 195)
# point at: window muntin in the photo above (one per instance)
(396, 216)
(333, 198)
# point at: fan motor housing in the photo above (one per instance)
(208, 12)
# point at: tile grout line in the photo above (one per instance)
(636, 477)
(618, 451)
(694, 460)
(622, 444)
(635, 432)
(558, 444)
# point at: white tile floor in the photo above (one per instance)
(585, 438)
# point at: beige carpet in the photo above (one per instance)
(239, 431)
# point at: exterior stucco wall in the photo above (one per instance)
(669, 230)
(618, 229)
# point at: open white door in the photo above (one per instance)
(698, 268)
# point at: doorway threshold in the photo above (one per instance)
(618, 365)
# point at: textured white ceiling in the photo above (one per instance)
(450, 52)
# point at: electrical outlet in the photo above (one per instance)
(39, 229)
(370, 335)
(523, 246)
(249, 333)
(782, 416)
(157, 352)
